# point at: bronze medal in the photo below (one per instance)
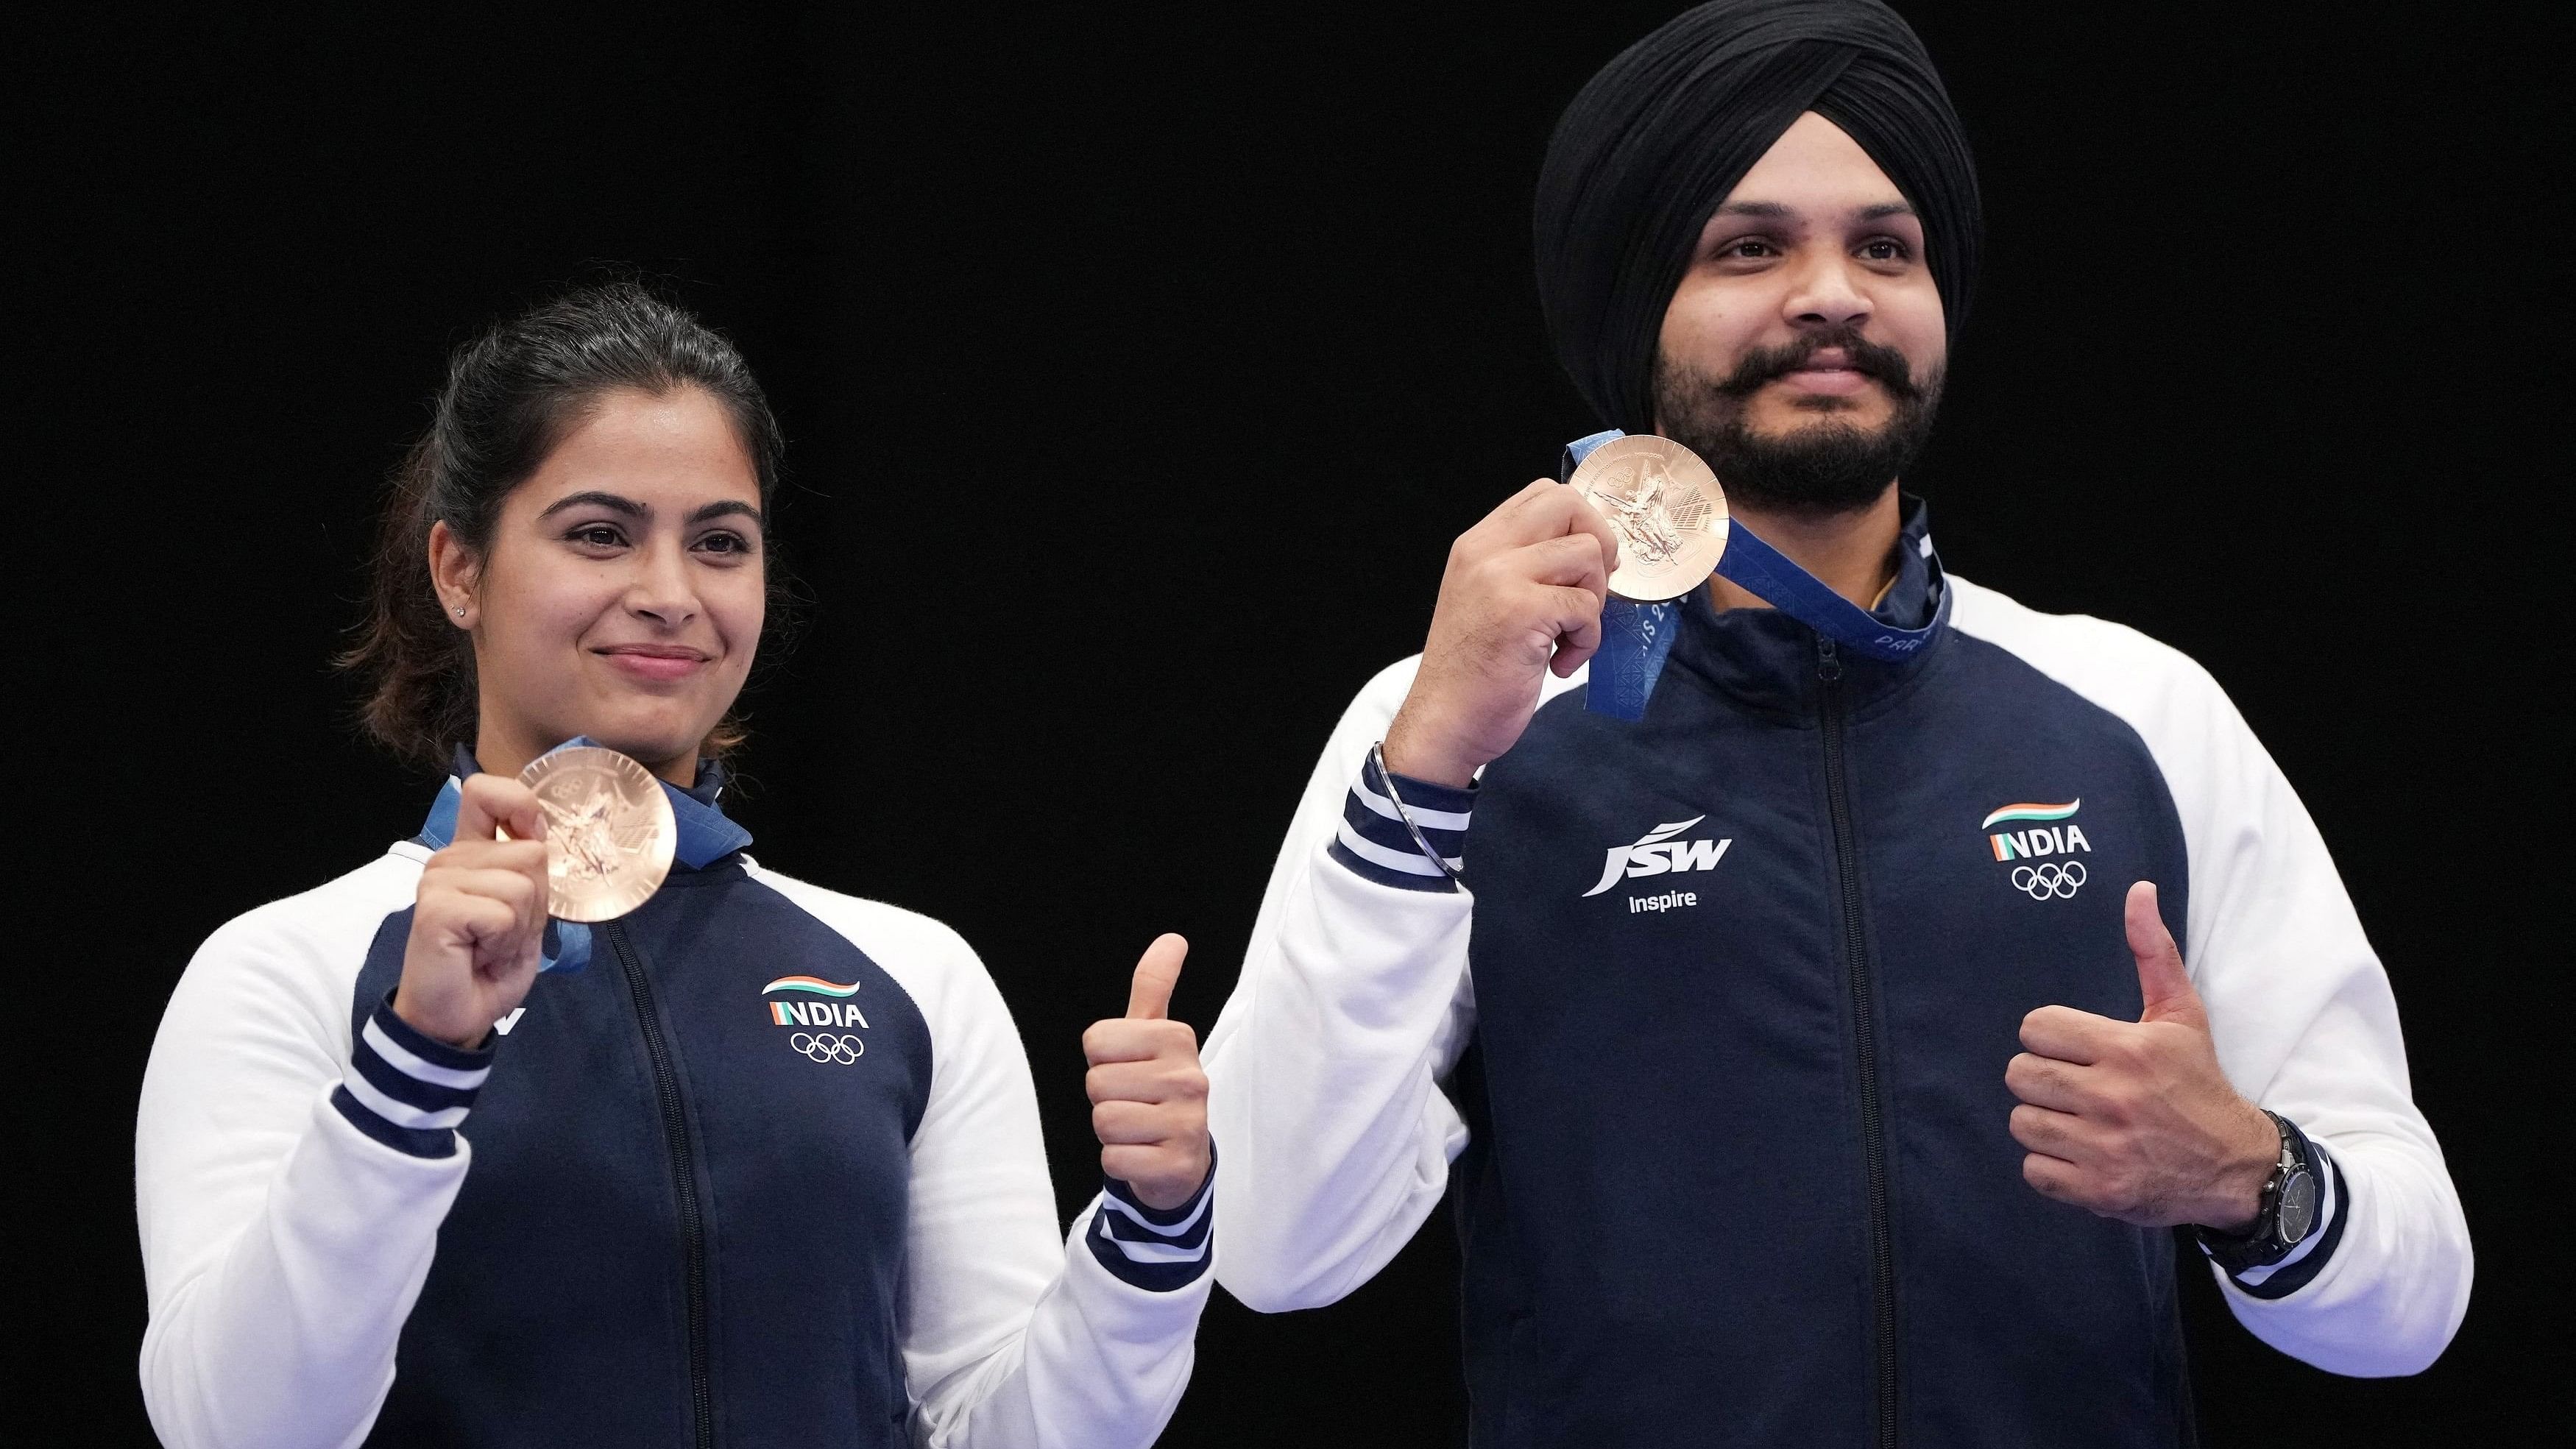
(1665, 506)
(609, 831)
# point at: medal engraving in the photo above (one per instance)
(609, 832)
(1667, 509)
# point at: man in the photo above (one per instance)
(1826, 1055)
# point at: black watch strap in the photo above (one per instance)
(2287, 1215)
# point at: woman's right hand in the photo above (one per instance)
(478, 928)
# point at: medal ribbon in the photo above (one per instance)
(706, 835)
(1636, 638)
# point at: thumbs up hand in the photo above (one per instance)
(1148, 1096)
(2135, 1120)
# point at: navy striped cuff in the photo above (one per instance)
(1373, 840)
(2303, 1263)
(406, 1090)
(1156, 1249)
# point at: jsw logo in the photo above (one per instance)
(1657, 853)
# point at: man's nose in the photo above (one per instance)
(1824, 293)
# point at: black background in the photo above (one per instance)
(1138, 369)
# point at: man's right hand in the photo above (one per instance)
(1522, 595)
(478, 928)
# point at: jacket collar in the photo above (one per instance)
(1765, 659)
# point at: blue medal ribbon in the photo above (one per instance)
(706, 835)
(1636, 638)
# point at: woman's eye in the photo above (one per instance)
(597, 535)
(1885, 249)
(725, 543)
(1747, 248)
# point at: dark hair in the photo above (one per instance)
(511, 395)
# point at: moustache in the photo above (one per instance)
(1880, 363)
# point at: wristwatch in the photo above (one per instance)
(2288, 1213)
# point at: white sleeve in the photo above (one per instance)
(289, 1185)
(1353, 1004)
(2299, 1007)
(2306, 1025)
(1013, 1337)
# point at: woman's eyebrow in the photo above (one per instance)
(609, 501)
(724, 506)
(632, 509)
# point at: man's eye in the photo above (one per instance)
(1748, 247)
(1885, 249)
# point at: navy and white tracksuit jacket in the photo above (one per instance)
(1708, 1051)
(767, 1171)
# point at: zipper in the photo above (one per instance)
(684, 1179)
(1882, 1251)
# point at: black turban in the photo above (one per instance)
(1655, 142)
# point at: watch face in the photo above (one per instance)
(2298, 1208)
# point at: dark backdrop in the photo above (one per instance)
(1138, 370)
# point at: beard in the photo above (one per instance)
(1815, 468)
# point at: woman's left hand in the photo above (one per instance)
(1148, 1095)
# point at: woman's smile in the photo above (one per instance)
(655, 663)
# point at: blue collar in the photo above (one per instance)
(707, 834)
(1636, 638)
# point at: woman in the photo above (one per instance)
(766, 1169)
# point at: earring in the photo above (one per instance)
(460, 611)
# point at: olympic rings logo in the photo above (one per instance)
(2039, 882)
(824, 1047)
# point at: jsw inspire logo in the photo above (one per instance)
(1657, 853)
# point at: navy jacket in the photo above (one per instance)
(766, 1170)
(669, 1209)
(1784, 1090)
(1705, 1043)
